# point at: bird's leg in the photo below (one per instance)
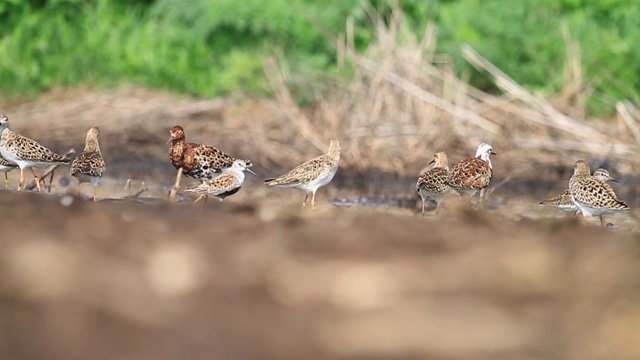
(21, 180)
(37, 179)
(304, 203)
(95, 193)
(176, 186)
(202, 196)
(423, 209)
(584, 217)
(602, 221)
(313, 200)
(127, 186)
(437, 207)
(6, 181)
(50, 180)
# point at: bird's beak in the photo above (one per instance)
(169, 141)
(493, 153)
(432, 161)
(614, 180)
(249, 170)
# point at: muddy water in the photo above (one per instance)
(362, 277)
(397, 196)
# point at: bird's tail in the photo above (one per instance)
(61, 159)
(272, 182)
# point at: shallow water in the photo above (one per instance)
(503, 202)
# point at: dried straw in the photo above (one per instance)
(402, 103)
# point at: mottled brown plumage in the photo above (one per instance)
(432, 184)
(89, 166)
(592, 196)
(564, 201)
(25, 152)
(227, 183)
(5, 167)
(198, 161)
(311, 175)
(472, 174)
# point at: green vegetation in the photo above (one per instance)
(211, 47)
(525, 40)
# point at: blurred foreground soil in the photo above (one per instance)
(124, 280)
(258, 277)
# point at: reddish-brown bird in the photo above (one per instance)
(472, 174)
(198, 161)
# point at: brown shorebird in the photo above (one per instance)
(226, 184)
(592, 196)
(25, 152)
(5, 167)
(564, 201)
(89, 166)
(472, 174)
(311, 175)
(432, 184)
(198, 161)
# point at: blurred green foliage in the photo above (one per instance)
(212, 47)
(524, 39)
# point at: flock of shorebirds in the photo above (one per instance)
(222, 175)
(588, 194)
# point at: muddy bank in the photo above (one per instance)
(241, 280)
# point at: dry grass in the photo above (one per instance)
(403, 103)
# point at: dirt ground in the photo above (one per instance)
(259, 277)
(126, 280)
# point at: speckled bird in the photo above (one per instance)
(5, 167)
(89, 166)
(198, 161)
(25, 152)
(564, 201)
(469, 175)
(592, 196)
(432, 184)
(229, 182)
(311, 175)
